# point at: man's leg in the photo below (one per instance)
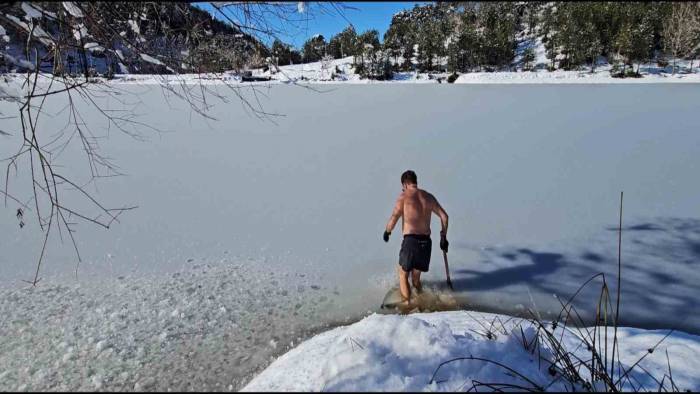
(403, 284)
(415, 277)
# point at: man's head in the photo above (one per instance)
(409, 178)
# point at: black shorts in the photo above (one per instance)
(415, 252)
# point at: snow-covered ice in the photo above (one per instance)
(530, 176)
(402, 353)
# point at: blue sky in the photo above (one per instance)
(323, 18)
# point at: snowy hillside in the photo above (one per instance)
(403, 353)
(142, 40)
(78, 38)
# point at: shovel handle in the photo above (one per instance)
(447, 269)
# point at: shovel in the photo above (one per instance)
(447, 270)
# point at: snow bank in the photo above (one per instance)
(401, 353)
(561, 76)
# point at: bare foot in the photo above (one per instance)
(419, 288)
(404, 306)
(404, 303)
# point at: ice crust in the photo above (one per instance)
(210, 327)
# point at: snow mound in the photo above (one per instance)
(405, 353)
(391, 353)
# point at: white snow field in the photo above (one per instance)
(402, 353)
(287, 216)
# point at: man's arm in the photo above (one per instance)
(395, 214)
(437, 209)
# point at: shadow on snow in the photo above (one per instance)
(660, 273)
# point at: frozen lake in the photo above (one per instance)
(293, 211)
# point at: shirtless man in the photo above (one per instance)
(415, 206)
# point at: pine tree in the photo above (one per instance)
(367, 44)
(528, 58)
(498, 24)
(295, 57)
(344, 43)
(580, 39)
(623, 42)
(334, 48)
(549, 35)
(281, 52)
(464, 50)
(399, 40)
(635, 40)
(590, 47)
(314, 49)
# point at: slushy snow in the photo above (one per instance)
(403, 353)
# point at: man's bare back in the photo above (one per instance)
(415, 206)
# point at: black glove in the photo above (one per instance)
(443, 243)
(386, 236)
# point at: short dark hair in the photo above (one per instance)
(409, 177)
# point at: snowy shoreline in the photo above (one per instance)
(402, 353)
(481, 78)
(318, 73)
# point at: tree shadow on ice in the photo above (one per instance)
(529, 267)
(660, 272)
